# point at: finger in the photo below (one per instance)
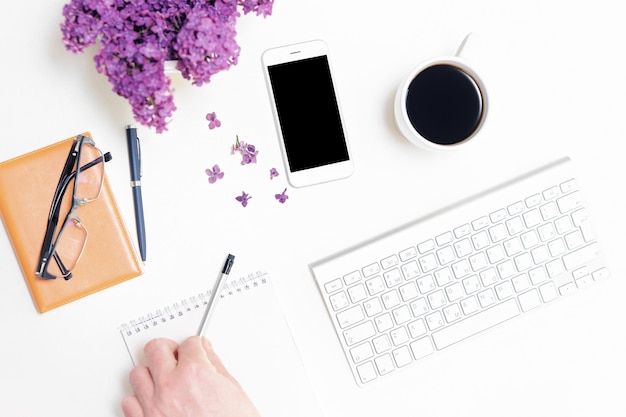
(191, 350)
(214, 359)
(161, 357)
(141, 383)
(131, 407)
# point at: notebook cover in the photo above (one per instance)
(27, 185)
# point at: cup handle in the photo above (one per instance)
(459, 50)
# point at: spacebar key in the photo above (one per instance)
(476, 323)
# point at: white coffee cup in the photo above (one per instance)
(442, 104)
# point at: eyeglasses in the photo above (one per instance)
(84, 171)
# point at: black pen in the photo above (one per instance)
(134, 157)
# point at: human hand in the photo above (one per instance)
(185, 381)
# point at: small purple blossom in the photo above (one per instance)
(273, 173)
(282, 197)
(214, 174)
(213, 120)
(243, 198)
(248, 151)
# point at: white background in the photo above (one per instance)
(554, 72)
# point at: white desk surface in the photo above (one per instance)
(555, 77)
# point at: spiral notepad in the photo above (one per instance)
(250, 334)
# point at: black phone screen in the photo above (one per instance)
(308, 113)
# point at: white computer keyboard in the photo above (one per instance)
(434, 282)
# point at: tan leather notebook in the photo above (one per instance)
(27, 185)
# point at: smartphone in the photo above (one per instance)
(307, 114)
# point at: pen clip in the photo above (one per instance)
(139, 157)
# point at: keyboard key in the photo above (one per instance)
(463, 230)
(514, 225)
(410, 270)
(333, 285)
(426, 246)
(463, 247)
(352, 277)
(418, 307)
(425, 284)
(498, 233)
(454, 292)
(375, 285)
(569, 185)
(529, 300)
(436, 299)
(498, 215)
(471, 284)
(481, 240)
(408, 253)
(486, 298)
(461, 269)
(381, 343)
(393, 277)
(359, 333)
(581, 220)
(548, 292)
(384, 364)
(480, 223)
(372, 307)
(428, 262)
(357, 293)
(339, 301)
(551, 192)
(399, 336)
(370, 270)
(443, 277)
(549, 211)
(452, 313)
(581, 256)
(445, 255)
(537, 275)
(389, 262)
(402, 356)
(366, 372)
(570, 202)
(475, 324)
(434, 320)
(383, 322)
(520, 283)
(408, 291)
(469, 305)
(533, 200)
(422, 347)
(390, 299)
(350, 316)
(444, 238)
(516, 208)
(417, 328)
(402, 314)
(361, 352)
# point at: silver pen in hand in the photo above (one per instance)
(215, 294)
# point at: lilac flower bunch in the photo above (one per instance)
(138, 36)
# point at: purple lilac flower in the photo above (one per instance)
(248, 151)
(136, 36)
(213, 121)
(282, 197)
(214, 174)
(243, 198)
(273, 173)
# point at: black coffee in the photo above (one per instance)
(444, 104)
